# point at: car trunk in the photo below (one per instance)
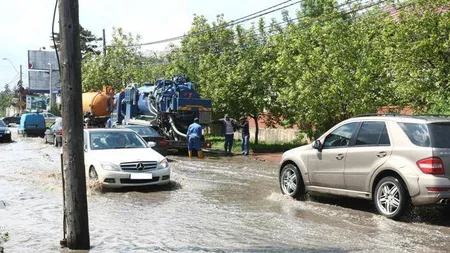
(440, 142)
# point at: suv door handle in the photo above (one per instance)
(382, 154)
(340, 156)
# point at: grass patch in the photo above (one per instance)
(4, 237)
(218, 142)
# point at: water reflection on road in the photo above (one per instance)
(227, 204)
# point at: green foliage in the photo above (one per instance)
(88, 42)
(313, 73)
(55, 110)
(5, 101)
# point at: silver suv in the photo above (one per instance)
(395, 160)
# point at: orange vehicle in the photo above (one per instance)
(97, 106)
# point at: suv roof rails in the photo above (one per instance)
(417, 116)
(434, 115)
(388, 114)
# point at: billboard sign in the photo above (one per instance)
(36, 103)
(40, 60)
(39, 81)
(39, 65)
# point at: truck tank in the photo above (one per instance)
(98, 105)
(168, 105)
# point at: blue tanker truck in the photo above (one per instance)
(168, 105)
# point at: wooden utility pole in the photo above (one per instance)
(72, 120)
(104, 43)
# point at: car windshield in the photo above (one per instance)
(101, 140)
(144, 131)
(2, 124)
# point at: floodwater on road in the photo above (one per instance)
(219, 204)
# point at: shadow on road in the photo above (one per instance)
(172, 186)
(434, 215)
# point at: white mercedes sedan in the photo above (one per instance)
(120, 157)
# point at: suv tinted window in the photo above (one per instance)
(341, 136)
(372, 133)
(440, 135)
(417, 133)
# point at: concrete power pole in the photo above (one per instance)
(72, 119)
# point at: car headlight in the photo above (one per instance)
(110, 166)
(8, 132)
(163, 164)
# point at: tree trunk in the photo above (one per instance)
(72, 119)
(255, 118)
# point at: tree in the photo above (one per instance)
(88, 42)
(117, 68)
(418, 52)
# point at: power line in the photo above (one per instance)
(303, 18)
(13, 80)
(266, 9)
(231, 23)
(317, 20)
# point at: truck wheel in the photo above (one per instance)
(391, 198)
(291, 182)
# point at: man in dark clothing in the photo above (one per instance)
(245, 135)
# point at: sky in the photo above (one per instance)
(26, 24)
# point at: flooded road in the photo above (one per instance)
(219, 204)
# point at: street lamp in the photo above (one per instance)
(6, 59)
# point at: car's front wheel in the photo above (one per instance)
(391, 198)
(291, 182)
(93, 173)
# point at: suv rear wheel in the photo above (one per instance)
(291, 182)
(391, 198)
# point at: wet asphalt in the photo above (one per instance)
(218, 204)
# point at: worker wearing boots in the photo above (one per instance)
(194, 134)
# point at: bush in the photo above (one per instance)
(261, 147)
(55, 110)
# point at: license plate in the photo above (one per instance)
(141, 176)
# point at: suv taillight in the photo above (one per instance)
(431, 165)
(163, 143)
(60, 132)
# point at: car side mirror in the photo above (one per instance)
(317, 145)
(151, 144)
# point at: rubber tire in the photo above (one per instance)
(300, 192)
(93, 173)
(404, 198)
(55, 141)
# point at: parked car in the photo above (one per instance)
(49, 118)
(120, 157)
(149, 134)
(32, 124)
(5, 133)
(393, 161)
(54, 133)
(15, 119)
